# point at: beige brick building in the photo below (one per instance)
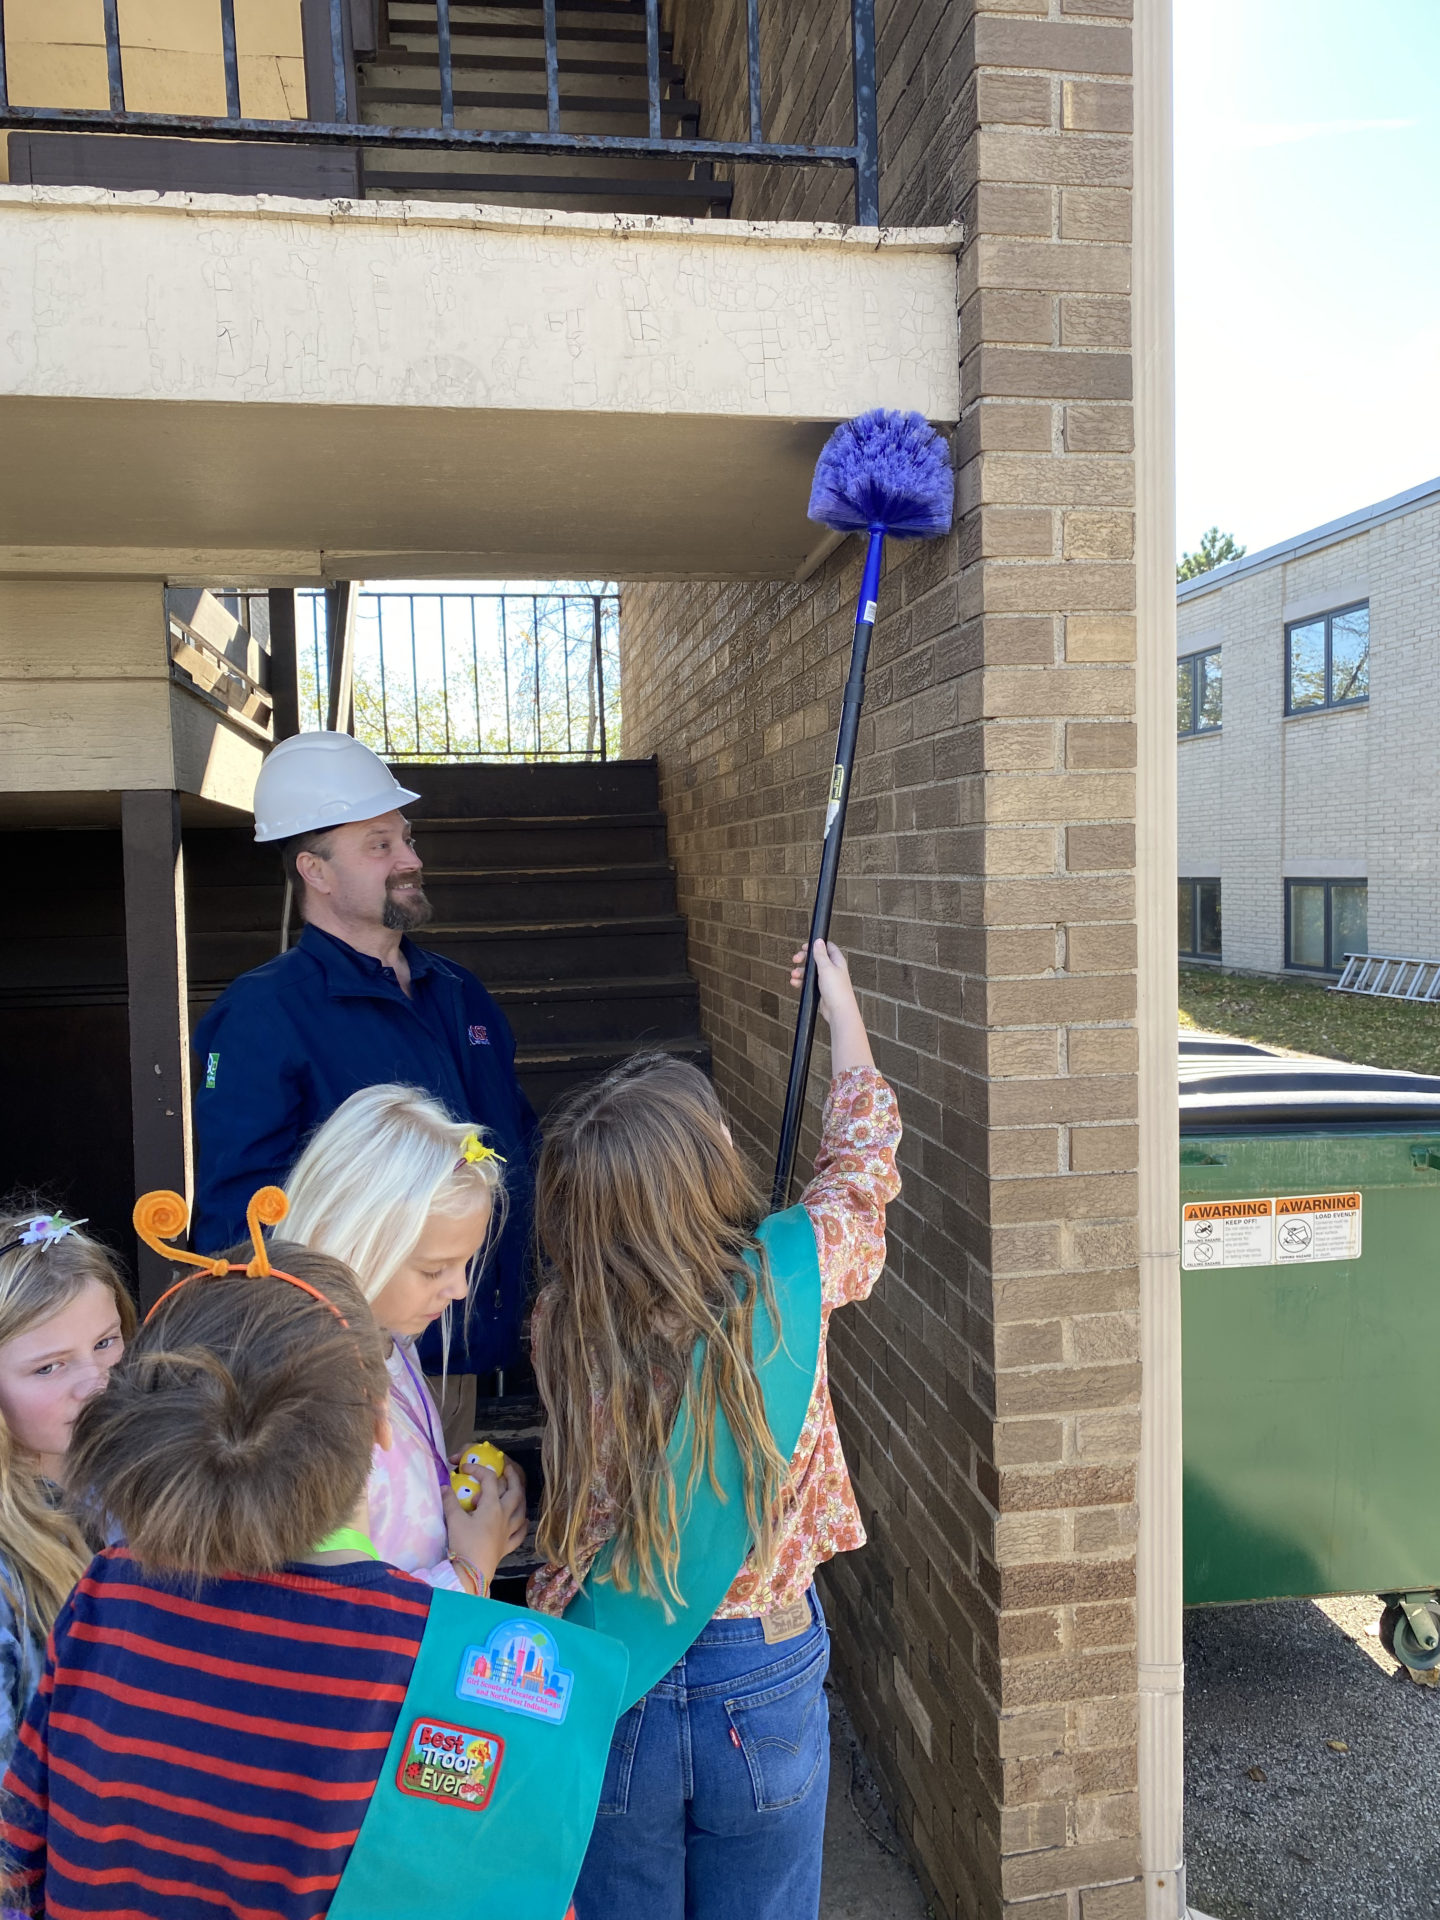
(469, 391)
(1308, 764)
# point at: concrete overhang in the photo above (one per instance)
(224, 389)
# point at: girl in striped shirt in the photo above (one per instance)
(219, 1693)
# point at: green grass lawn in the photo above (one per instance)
(1307, 1018)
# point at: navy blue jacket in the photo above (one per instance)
(285, 1044)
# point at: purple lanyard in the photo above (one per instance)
(427, 1429)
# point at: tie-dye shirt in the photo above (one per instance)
(855, 1180)
(407, 1520)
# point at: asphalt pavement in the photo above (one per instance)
(1312, 1767)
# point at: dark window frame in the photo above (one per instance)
(1195, 728)
(1195, 883)
(1328, 705)
(1328, 883)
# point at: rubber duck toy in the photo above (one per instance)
(465, 1478)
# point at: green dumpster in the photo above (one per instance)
(1310, 1290)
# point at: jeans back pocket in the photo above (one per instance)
(615, 1792)
(784, 1732)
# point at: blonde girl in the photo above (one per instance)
(410, 1200)
(64, 1319)
(714, 1799)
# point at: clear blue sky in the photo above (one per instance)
(1307, 259)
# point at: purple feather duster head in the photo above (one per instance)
(885, 470)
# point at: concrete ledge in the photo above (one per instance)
(324, 386)
(439, 213)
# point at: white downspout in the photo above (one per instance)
(1159, 1568)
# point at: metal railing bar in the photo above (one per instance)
(652, 64)
(552, 68)
(4, 74)
(505, 661)
(535, 643)
(565, 655)
(414, 668)
(337, 60)
(380, 643)
(301, 133)
(314, 602)
(597, 627)
(115, 71)
(444, 673)
(232, 62)
(867, 129)
(752, 36)
(447, 71)
(475, 672)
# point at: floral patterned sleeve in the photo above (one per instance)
(855, 1180)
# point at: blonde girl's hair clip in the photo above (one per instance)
(161, 1215)
(474, 1153)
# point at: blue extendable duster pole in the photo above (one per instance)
(882, 473)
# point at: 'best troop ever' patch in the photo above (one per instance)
(444, 1762)
(518, 1671)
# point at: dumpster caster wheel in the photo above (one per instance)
(1399, 1640)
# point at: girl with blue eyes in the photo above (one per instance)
(64, 1320)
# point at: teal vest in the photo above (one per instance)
(489, 1788)
(488, 1792)
(714, 1533)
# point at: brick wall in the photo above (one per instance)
(1324, 795)
(988, 1393)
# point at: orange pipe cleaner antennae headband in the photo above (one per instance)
(161, 1215)
(267, 1208)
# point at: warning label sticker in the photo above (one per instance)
(1317, 1226)
(1286, 1231)
(1228, 1233)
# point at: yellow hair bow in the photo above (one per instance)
(474, 1152)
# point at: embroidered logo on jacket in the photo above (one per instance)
(212, 1067)
(479, 1037)
(444, 1762)
(518, 1670)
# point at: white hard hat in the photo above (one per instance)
(315, 780)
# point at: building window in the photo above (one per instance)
(1327, 660)
(1200, 919)
(1197, 693)
(1325, 920)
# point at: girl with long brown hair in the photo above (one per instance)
(64, 1320)
(661, 1275)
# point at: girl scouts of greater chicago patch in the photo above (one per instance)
(444, 1762)
(518, 1669)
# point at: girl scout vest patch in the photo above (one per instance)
(488, 1792)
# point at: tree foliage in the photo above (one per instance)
(1215, 550)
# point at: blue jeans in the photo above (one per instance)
(713, 1806)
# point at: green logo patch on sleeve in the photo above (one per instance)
(212, 1067)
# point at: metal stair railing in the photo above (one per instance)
(345, 129)
(497, 676)
(1390, 976)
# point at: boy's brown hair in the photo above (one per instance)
(237, 1431)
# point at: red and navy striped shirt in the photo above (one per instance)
(206, 1749)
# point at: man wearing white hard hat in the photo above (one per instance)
(352, 1004)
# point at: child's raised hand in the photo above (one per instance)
(849, 1042)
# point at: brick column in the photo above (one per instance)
(1048, 594)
